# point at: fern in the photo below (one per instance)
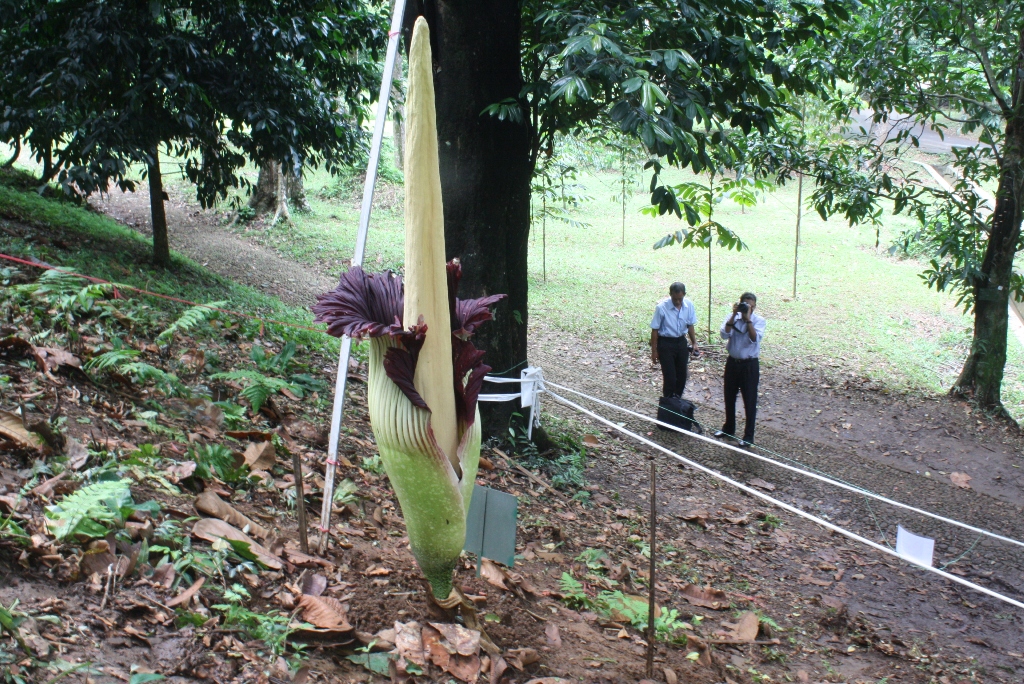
(84, 512)
(278, 363)
(120, 360)
(190, 319)
(217, 460)
(258, 387)
(573, 594)
(58, 281)
(111, 360)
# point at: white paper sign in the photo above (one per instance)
(913, 547)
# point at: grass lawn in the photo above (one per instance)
(856, 306)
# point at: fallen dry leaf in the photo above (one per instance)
(519, 658)
(961, 480)
(409, 642)
(314, 584)
(180, 471)
(590, 440)
(746, 627)
(164, 575)
(325, 612)
(670, 676)
(492, 573)
(551, 557)
(465, 641)
(761, 484)
(706, 597)
(696, 517)
(208, 503)
(12, 429)
(186, 596)
(76, 452)
(552, 635)
(211, 529)
(260, 456)
(52, 359)
(98, 559)
(446, 655)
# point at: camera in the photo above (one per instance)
(742, 307)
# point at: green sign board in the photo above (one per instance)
(491, 526)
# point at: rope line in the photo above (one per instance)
(707, 427)
(651, 402)
(783, 505)
(821, 478)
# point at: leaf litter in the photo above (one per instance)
(360, 591)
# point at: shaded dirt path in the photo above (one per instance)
(200, 235)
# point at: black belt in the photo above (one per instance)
(670, 339)
(735, 360)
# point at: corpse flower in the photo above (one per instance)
(425, 375)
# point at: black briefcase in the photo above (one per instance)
(678, 412)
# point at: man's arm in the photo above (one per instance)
(751, 330)
(692, 335)
(654, 345)
(727, 327)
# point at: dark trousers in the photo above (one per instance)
(741, 377)
(674, 355)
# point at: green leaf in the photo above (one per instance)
(143, 677)
(374, 662)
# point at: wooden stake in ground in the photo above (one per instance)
(651, 632)
(300, 500)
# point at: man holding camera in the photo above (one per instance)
(673, 321)
(743, 331)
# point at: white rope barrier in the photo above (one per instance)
(787, 507)
(821, 478)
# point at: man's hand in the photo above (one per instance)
(694, 351)
(654, 356)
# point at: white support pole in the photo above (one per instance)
(394, 37)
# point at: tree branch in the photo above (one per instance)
(982, 54)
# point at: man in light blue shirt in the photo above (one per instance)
(743, 331)
(673, 321)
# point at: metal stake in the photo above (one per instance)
(799, 213)
(394, 36)
(651, 632)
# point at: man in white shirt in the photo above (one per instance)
(673, 320)
(743, 331)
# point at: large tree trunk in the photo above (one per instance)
(161, 246)
(485, 170)
(266, 196)
(982, 374)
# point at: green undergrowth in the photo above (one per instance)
(152, 388)
(92, 244)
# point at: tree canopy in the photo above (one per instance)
(92, 87)
(919, 66)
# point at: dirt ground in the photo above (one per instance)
(201, 235)
(911, 627)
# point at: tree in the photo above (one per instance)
(920, 66)
(684, 78)
(93, 87)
